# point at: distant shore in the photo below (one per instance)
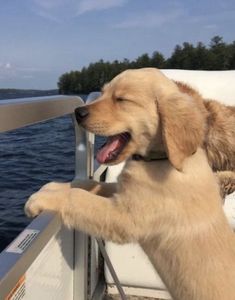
(23, 93)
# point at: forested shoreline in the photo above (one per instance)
(218, 55)
(25, 93)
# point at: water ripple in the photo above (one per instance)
(29, 158)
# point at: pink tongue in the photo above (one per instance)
(105, 153)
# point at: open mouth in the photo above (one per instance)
(110, 151)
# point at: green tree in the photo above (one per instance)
(143, 61)
(217, 56)
(231, 59)
(64, 83)
(158, 60)
(183, 57)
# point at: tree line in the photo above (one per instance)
(218, 55)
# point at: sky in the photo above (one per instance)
(42, 39)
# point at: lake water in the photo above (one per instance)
(29, 158)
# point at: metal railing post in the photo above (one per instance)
(81, 240)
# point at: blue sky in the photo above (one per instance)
(41, 39)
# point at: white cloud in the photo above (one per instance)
(5, 66)
(212, 17)
(180, 15)
(85, 6)
(55, 10)
(8, 66)
(61, 10)
(31, 69)
(9, 70)
(27, 76)
(149, 19)
(48, 16)
(211, 26)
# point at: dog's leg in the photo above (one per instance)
(108, 218)
(99, 188)
(226, 181)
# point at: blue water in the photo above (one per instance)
(29, 158)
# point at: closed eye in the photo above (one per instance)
(126, 100)
(121, 99)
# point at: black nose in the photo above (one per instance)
(81, 113)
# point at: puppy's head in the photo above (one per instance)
(142, 110)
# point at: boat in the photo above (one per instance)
(48, 261)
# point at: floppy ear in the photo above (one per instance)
(182, 127)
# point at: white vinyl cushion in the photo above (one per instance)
(217, 85)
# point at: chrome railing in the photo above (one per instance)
(19, 113)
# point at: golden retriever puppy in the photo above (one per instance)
(170, 206)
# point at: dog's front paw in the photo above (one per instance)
(46, 199)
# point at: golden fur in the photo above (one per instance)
(172, 208)
(219, 140)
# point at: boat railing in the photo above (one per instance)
(20, 254)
